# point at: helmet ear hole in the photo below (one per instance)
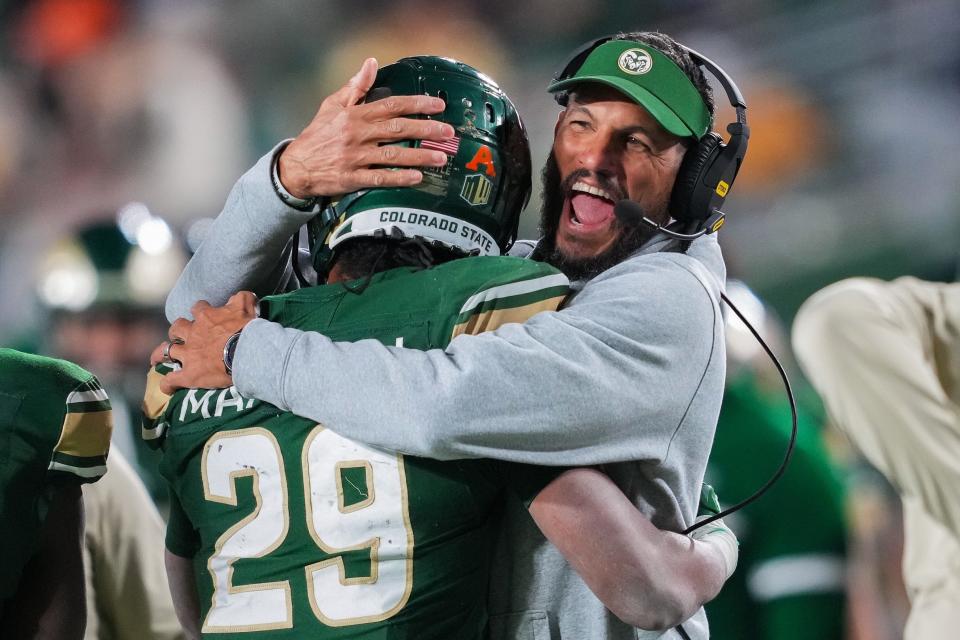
(442, 95)
(488, 109)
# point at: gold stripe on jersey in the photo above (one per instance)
(155, 402)
(153, 408)
(513, 289)
(85, 434)
(495, 318)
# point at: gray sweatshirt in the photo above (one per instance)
(628, 375)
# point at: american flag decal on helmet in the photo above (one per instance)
(448, 146)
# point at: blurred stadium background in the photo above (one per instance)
(852, 166)
(853, 106)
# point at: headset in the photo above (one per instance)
(709, 166)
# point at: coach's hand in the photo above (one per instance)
(337, 152)
(198, 345)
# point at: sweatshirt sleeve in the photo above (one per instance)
(246, 249)
(608, 378)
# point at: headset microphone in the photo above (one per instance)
(631, 213)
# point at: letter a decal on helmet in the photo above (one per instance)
(483, 157)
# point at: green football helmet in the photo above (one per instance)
(129, 262)
(473, 203)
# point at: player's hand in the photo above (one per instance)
(198, 345)
(716, 535)
(337, 152)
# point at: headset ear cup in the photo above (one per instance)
(696, 163)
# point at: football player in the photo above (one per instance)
(281, 527)
(792, 573)
(101, 285)
(55, 425)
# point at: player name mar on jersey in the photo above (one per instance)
(194, 405)
(212, 403)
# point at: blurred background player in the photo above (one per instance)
(791, 580)
(55, 424)
(97, 109)
(885, 358)
(101, 287)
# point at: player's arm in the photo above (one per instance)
(648, 578)
(180, 546)
(50, 602)
(865, 344)
(582, 376)
(74, 432)
(179, 566)
(183, 588)
(153, 408)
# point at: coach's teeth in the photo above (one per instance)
(594, 191)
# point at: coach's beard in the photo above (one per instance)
(555, 191)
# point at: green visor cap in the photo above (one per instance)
(651, 79)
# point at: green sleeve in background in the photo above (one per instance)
(789, 582)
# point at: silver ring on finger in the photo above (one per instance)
(167, 346)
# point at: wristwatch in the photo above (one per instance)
(303, 204)
(229, 349)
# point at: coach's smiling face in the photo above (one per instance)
(606, 148)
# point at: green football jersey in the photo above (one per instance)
(55, 425)
(789, 583)
(298, 532)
